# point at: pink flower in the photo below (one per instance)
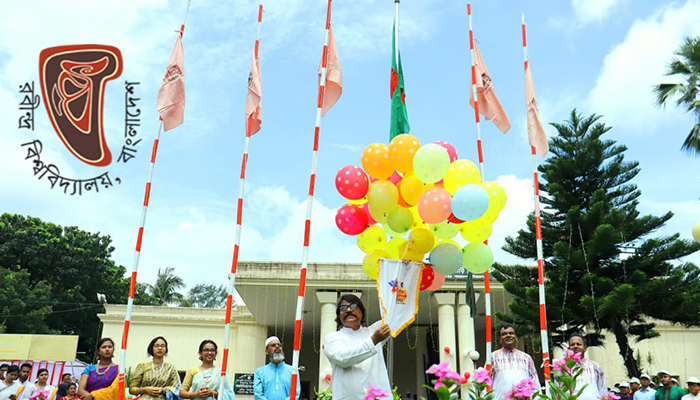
(438, 384)
(509, 395)
(481, 375)
(40, 394)
(521, 390)
(439, 370)
(375, 393)
(571, 355)
(609, 396)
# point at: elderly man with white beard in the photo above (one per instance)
(274, 380)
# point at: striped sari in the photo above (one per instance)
(165, 377)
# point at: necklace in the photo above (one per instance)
(207, 377)
(158, 369)
(104, 371)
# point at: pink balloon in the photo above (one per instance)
(351, 219)
(438, 281)
(370, 219)
(352, 182)
(395, 178)
(435, 205)
(450, 149)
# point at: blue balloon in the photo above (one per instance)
(470, 202)
(446, 258)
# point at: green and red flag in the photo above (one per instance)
(399, 114)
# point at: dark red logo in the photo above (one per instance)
(73, 79)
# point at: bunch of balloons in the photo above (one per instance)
(409, 200)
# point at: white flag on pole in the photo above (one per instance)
(398, 284)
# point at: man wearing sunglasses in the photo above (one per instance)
(274, 380)
(355, 351)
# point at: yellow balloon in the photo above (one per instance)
(412, 188)
(445, 229)
(417, 220)
(400, 220)
(392, 247)
(452, 242)
(488, 218)
(422, 239)
(378, 216)
(391, 232)
(382, 196)
(402, 149)
(376, 162)
(358, 202)
(460, 173)
(373, 238)
(371, 263)
(407, 251)
(497, 195)
(474, 233)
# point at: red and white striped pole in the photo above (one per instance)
(239, 227)
(309, 207)
(538, 235)
(137, 254)
(487, 284)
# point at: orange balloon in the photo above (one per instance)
(401, 151)
(376, 162)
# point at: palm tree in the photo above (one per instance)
(687, 65)
(166, 287)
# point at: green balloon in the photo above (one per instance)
(400, 220)
(477, 258)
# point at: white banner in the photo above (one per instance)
(398, 284)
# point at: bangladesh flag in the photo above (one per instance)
(399, 115)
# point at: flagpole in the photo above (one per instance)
(137, 253)
(538, 235)
(239, 227)
(487, 283)
(309, 207)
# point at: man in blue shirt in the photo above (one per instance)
(274, 380)
(646, 392)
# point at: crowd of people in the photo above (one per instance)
(355, 352)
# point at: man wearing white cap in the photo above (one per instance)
(668, 391)
(625, 391)
(634, 385)
(646, 392)
(693, 388)
(274, 380)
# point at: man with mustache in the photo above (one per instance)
(355, 352)
(510, 365)
(274, 380)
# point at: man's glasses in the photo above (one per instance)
(344, 307)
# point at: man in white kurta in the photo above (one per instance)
(509, 365)
(355, 352)
(693, 388)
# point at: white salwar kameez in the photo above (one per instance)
(510, 367)
(356, 362)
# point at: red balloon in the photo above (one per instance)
(447, 350)
(454, 219)
(352, 182)
(328, 377)
(438, 281)
(427, 278)
(450, 149)
(395, 178)
(351, 219)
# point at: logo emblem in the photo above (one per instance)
(73, 80)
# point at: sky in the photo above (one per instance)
(598, 56)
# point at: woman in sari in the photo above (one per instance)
(72, 392)
(99, 381)
(49, 392)
(11, 388)
(155, 380)
(204, 381)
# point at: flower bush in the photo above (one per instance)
(448, 383)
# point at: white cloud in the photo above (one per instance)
(594, 10)
(513, 217)
(623, 92)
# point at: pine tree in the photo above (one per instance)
(604, 272)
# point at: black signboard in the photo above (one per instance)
(243, 383)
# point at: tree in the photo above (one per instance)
(589, 221)
(166, 287)
(22, 307)
(74, 265)
(687, 66)
(205, 295)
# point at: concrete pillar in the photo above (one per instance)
(467, 338)
(446, 327)
(328, 302)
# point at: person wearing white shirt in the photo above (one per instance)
(25, 371)
(592, 374)
(693, 388)
(355, 352)
(510, 365)
(646, 392)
